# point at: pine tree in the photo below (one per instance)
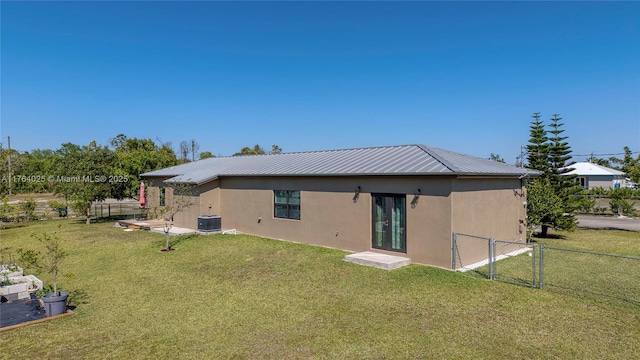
(538, 149)
(551, 156)
(560, 164)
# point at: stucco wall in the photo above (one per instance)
(332, 216)
(604, 181)
(490, 208)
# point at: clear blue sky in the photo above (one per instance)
(464, 76)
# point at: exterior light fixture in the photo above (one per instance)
(416, 197)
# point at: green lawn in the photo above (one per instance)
(237, 296)
(610, 279)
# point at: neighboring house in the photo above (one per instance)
(591, 176)
(399, 200)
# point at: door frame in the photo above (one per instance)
(388, 231)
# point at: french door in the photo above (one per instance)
(389, 222)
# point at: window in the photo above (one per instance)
(286, 204)
(584, 182)
(162, 196)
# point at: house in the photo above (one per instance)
(398, 200)
(591, 176)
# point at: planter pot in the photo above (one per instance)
(55, 305)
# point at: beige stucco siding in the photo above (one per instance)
(489, 207)
(331, 214)
(331, 217)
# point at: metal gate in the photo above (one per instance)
(507, 261)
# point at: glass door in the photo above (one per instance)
(389, 222)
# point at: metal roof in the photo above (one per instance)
(587, 168)
(385, 160)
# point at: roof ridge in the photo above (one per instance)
(323, 151)
(430, 152)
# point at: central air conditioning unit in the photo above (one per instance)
(209, 223)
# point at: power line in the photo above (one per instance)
(594, 154)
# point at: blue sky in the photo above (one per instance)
(464, 76)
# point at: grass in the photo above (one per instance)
(245, 297)
(596, 277)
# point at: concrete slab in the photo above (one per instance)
(174, 230)
(382, 261)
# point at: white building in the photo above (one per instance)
(592, 176)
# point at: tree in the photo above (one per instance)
(81, 174)
(544, 207)
(50, 260)
(258, 150)
(559, 165)
(599, 161)
(275, 149)
(538, 149)
(629, 165)
(9, 159)
(551, 156)
(184, 151)
(134, 157)
(206, 155)
(194, 147)
(180, 198)
(496, 157)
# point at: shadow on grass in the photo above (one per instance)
(77, 297)
(175, 240)
(548, 237)
(609, 228)
(83, 221)
(7, 226)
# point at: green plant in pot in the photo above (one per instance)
(49, 260)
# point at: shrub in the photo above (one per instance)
(28, 208)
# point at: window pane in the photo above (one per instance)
(162, 196)
(280, 196)
(294, 197)
(294, 212)
(397, 218)
(280, 211)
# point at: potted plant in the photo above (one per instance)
(55, 303)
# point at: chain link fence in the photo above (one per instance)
(508, 261)
(601, 277)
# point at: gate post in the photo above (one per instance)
(541, 265)
(491, 246)
(533, 263)
(453, 251)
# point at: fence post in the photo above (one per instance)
(491, 246)
(541, 265)
(533, 263)
(453, 251)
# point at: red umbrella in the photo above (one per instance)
(143, 201)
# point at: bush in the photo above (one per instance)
(56, 206)
(585, 204)
(28, 208)
(622, 206)
(8, 212)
